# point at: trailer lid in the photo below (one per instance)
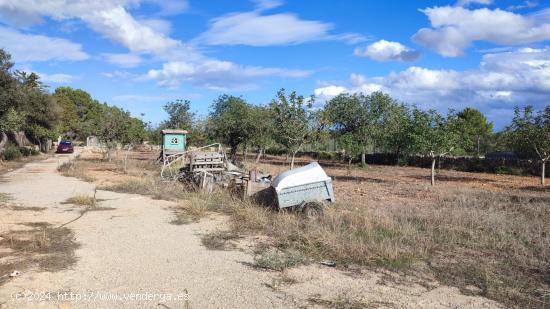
(310, 173)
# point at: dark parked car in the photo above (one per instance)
(65, 147)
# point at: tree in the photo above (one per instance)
(532, 133)
(397, 125)
(261, 136)
(292, 119)
(231, 122)
(433, 135)
(474, 129)
(367, 118)
(180, 116)
(350, 145)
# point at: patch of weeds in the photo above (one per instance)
(343, 301)
(400, 263)
(218, 240)
(282, 280)
(81, 200)
(23, 208)
(279, 260)
(52, 249)
(181, 219)
(4, 197)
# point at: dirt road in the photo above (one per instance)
(130, 256)
(130, 249)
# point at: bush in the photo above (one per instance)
(26, 151)
(12, 152)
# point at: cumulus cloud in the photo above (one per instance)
(216, 74)
(501, 81)
(455, 28)
(107, 17)
(384, 50)
(255, 28)
(30, 47)
(184, 63)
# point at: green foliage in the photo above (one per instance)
(11, 120)
(432, 134)
(82, 116)
(179, 115)
(531, 132)
(292, 120)
(231, 121)
(12, 152)
(261, 136)
(374, 120)
(475, 130)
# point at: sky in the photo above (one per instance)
(492, 55)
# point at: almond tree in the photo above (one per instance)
(532, 132)
(292, 121)
(433, 135)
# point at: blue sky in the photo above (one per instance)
(140, 54)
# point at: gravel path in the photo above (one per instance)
(131, 253)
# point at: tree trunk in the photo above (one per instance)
(233, 154)
(245, 153)
(363, 159)
(543, 173)
(478, 142)
(292, 160)
(3, 141)
(433, 171)
(259, 155)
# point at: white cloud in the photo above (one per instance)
(524, 5)
(216, 74)
(119, 75)
(30, 47)
(123, 60)
(501, 81)
(185, 63)
(108, 17)
(255, 28)
(468, 2)
(384, 50)
(58, 78)
(157, 24)
(455, 28)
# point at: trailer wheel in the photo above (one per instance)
(313, 210)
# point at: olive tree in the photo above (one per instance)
(531, 131)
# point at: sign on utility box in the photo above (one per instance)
(173, 141)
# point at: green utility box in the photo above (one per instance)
(173, 141)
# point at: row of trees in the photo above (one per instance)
(361, 124)
(28, 109)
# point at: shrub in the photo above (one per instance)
(12, 152)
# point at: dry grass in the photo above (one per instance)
(219, 240)
(82, 200)
(51, 249)
(495, 240)
(77, 169)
